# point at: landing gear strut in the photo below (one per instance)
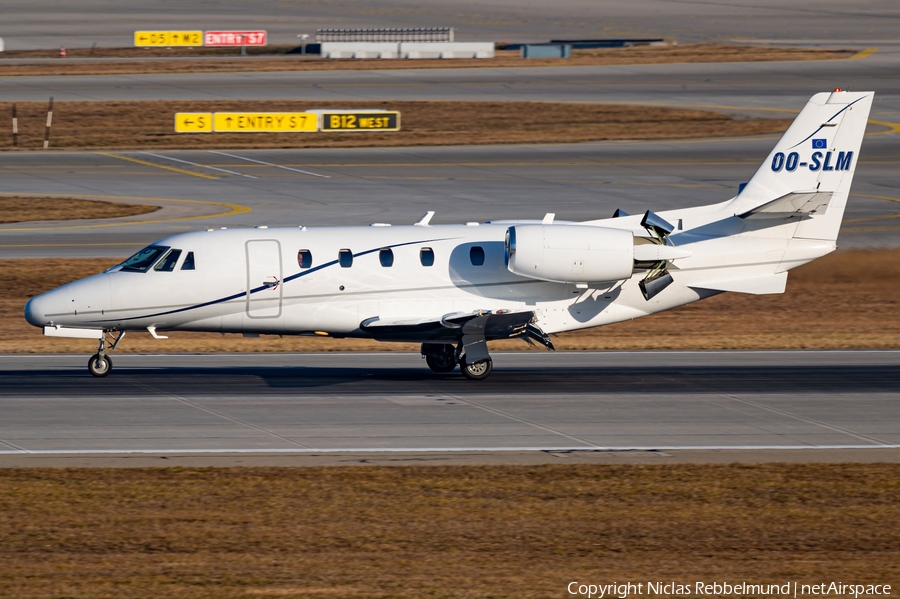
(100, 364)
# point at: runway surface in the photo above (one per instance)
(49, 23)
(534, 401)
(278, 409)
(398, 185)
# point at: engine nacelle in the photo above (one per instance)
(570, 253)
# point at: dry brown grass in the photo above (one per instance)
(842, 301)
(155, 52)
(508, 531)
(151, 124)
(606, 56)
(22, 209)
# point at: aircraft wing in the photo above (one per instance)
(473, 329)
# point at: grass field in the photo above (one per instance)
(207, 60)
(151, 124)
(472, 532)
(841, 301)
(24, 209)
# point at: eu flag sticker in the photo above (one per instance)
(820, 144)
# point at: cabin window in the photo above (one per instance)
(167, 264)
(386, 256)
(476, 255)
(304, 258)
(144, 259)
(345, 257)
(188, 262)
(426, 256)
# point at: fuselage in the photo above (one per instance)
(295, 281)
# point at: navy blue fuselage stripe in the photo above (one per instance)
(828, 121)
(302, 273)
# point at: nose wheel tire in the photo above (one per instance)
(100, 366)
(477, 371)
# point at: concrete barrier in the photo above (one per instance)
(407, 50)
(447, 50)
(360, 50)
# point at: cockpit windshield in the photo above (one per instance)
(144, 259)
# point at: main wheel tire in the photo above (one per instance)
(443, 361)
(100, 366)
(478, 371)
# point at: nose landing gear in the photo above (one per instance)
(100, 364)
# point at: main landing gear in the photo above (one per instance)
(441, 358)
(444, 358)
(100, 364)
(477, 371)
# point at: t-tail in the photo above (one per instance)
(809, 172)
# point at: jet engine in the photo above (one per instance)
(583, 254)
(570, 253)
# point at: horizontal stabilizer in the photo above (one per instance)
(765, 285)
(796, 203)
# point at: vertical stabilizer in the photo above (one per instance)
(810, 170)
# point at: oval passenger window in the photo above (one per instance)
(386, 255)
(304, 258)
(476, 255)
(345, 257)
(426, 256)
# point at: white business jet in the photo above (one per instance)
(453, 288)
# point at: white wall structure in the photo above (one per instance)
(360, 50)
(447, 50)
(408, 50)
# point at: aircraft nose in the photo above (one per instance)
(36, 310)
(75, 304)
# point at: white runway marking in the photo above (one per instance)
(214, 168)
(287, 168)
(447, 449)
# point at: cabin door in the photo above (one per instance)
(264, 272)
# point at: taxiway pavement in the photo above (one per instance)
(739, 88)
(305, 404)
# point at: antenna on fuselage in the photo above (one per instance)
(423, 222)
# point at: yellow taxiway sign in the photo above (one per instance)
(193, 122)
(265, 122)
(144, 39)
